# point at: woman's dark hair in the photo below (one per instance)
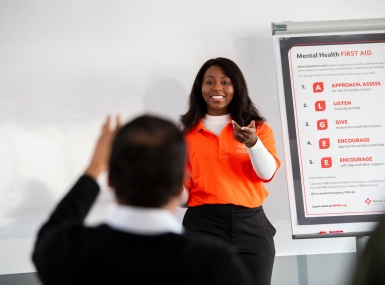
(147, 162)
(241, 108)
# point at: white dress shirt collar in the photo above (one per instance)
(144, 221)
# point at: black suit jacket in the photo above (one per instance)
(67, 252)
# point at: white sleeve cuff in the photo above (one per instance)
(263, 162)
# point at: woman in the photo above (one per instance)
(231, 153)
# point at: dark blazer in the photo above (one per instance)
(67, 252)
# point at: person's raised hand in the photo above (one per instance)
(101, 154)
(246, 135)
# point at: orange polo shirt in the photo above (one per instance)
(219, 168)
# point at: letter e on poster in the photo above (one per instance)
(326, 162)
(324, 143)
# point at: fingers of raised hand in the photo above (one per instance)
(118, 123)
(106, 124)
(110, 128)
(251, 125)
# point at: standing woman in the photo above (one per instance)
(231, 153)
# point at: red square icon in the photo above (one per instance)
(324, 143)
(320, 106)
(322, 124)
(326, 162)
(318, 87)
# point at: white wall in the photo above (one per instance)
(64, 65)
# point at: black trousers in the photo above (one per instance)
(247, 231)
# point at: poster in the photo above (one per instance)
(339, 99)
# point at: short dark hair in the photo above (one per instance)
(147, 162)
(241, 108)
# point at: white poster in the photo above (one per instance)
(339, 100)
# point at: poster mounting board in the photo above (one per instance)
(331, 85)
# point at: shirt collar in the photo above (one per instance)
(144, 221)
(199, 126)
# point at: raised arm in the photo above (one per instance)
(73, 208)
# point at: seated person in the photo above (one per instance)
(142, 243)
(370, 268)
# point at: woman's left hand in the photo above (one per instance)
(245, 135)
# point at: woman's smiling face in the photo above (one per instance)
(217, 91)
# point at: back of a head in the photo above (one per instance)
(147, 162)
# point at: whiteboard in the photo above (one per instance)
(331, 81)
(66, 64)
